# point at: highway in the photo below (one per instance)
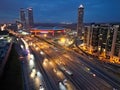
(48, 71)
(88, 85)
(64, 69)
(102, 73)
(32, 76)
(49, 80)
(28, 84)
(84, 80)
(104, 70)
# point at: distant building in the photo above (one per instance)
(3, 27)
(94, 38)
(117, 43)
(12, 27)
(23, 17)
(4, 33)
(109, 40)
(99, 36)
(30, 17)
(80, 21)
(115, 51)
(87, 36)
(103, 40)
(49, 31)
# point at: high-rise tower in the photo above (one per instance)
(22, 17)
(80, 21)
(30, 17)
(115, 51)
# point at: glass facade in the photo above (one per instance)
(80, 21)
(30, 17)
(23, 17)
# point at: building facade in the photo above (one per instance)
(49, 31)
(30, 17)
(80, 21)
(115, 51)
(103, 41)
(87, 36)
(23, 17)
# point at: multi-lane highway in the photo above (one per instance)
(64, 69)
(83, 78)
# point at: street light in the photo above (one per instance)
(104, 51)
(45, 35)
(37, 48)
(52, 63)
(41, 52)
(62, 40)
(99, 48)
(45, 62)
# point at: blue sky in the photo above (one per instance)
(62, 10)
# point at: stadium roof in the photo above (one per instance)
(49, 28)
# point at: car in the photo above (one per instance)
(55, 70)
(41, 87)
(41, 52)
(66, 70)
(90, 58)
(65, 81)
(69, 72)
(25, 53)
(94, 75)
(62, 86)
(115, 89)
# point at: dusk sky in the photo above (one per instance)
(62, 10)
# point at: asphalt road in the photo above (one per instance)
(85, 79)
(86, 74)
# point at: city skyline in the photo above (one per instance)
(40, 48)
(62, 11)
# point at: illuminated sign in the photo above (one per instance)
(43, 31)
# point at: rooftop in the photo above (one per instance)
(81, 6)
(49, 28)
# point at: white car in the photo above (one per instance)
(41, 87)
(65, 81)
(69, 72)
(61, 86)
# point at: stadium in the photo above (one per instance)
(49, 31)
